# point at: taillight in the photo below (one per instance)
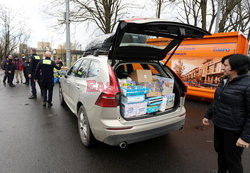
(108, 98)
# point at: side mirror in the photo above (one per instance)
(64, 73)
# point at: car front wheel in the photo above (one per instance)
(85, 133)
(62, 102)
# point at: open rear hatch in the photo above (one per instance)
(130, 39)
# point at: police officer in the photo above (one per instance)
(45, 71)
(34, 60)
(25, 63)
(4, 67)
(11, 71)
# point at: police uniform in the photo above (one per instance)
(45, 72)
(4, 67)
(34, 60)
(11, 72)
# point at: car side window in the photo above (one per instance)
(94, 69)
(74, 68)
(83, 69)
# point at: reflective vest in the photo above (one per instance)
(47, 61)
(37, 57)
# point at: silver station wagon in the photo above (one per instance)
(121, 90)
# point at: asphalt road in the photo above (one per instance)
(34, 139)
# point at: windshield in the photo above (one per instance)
(141, 40)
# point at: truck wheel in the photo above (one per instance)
(85, 133)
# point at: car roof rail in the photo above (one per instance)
(100, 52)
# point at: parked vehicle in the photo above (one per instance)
(93, 92)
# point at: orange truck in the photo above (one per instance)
(197, 61)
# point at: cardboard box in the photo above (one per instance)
(141, 76)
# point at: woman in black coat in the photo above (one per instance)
(230, 113)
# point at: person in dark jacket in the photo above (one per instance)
(45, 71)
(11, 71)
(230, 113)
(34, 60)
(26, 63)
(5, 64)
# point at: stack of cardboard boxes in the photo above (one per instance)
(150, 94)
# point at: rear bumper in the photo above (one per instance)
(115, 140)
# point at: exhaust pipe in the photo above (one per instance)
(123, 145)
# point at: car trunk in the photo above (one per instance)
(147, 90)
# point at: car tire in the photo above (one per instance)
(85, 132)
(61, 98)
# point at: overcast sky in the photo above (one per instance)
(40, 24)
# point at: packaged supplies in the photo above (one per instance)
(154, 88)
(141, 109)
(151, 109)
(134, 109)
(170, 100)
(128, 110)
(153, 94)
(167, 84)
(134, 90)
(133, 99)
(154, 100)
(141, 76)
(163, 105)
(126, 82)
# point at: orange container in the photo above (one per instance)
(197, 61)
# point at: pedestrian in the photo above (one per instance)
(4, 67)
(19, 69)
(25, 62)
(11, 71)
(230, 113)
(59, 62)
(34, 60)
(45, 68)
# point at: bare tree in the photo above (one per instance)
(104, 13)
(239, 19)
(227, 7)
(191, 9)
(12, 33)
(235, 14)
(203, 5)
(160, 5)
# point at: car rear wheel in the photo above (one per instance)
(62, 102)
(85, 133)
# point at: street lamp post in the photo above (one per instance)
(67, 21)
